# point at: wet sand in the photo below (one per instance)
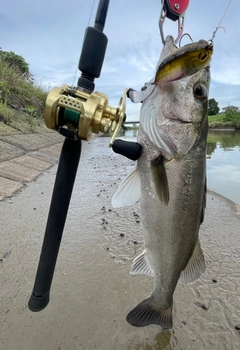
(92, 290)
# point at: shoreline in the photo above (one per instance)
(24, 157)
(92, 289)
(223, 129)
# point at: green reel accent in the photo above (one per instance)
(71, 117)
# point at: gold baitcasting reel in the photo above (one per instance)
(78, 114)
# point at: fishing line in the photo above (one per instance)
(90, 16)
(219, 25)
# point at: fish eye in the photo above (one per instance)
(203, 56)
(200, 92)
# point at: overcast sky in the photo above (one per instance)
(49, 35)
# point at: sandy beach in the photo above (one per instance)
(92, 289)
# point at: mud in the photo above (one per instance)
(92, 290)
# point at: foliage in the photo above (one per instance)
(18, 91)
(30, 110)
(213, 107)
(19, 120)
(4, 90)
(231, 115)
(16, 61)
(226, 120)
(216, 118)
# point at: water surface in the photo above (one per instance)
(223, 163)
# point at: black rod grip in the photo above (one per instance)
(101, 15)
(93, 53)
(61, 196)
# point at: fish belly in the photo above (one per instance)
(170, 229)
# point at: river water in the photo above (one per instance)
(223, 162)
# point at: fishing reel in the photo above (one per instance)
(76, 114)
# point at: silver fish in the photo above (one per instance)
(170, 180)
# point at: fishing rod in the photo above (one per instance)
(76, 113)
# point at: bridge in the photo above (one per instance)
(133, 123)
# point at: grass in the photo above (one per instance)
(19, 120)
(21, 100)
(216, 118)
(218, 122)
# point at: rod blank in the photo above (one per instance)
(61, 196)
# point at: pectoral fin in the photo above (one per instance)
(129, 191)
(195, 266)
(160, 180)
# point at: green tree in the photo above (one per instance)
(231, 115)
(16, 61)
(213, 108)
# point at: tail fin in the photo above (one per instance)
(146, 313)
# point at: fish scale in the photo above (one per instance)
(170, 180)
(171, 231)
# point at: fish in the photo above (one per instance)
(184, 62)
(170, 181)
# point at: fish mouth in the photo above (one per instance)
(177, 121)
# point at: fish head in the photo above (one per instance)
(185, 100)
(174, 116)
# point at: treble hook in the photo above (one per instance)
(186, 34)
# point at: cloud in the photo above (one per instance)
(50, 36)
(226, 69)
(225, 94)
